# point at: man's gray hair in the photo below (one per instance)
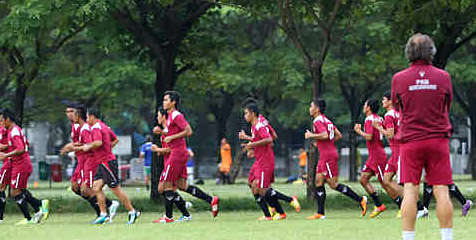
(420, 47)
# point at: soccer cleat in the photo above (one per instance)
(280, 216)
(272, 211)
(133, 217)
(363, 205)
(422, 213)
(316, 216)
(214, 206)
(185, 218)
(164, 219)
(112, 210)
(264, 218)
(45, 203)
(295, 203)
(377, 211)
(100, 220)
(39, 216)
(466, 207)
(399, 214)
(26, 222)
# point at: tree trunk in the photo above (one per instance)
(19, 101)
(311, 171)
(353, 141)
(317, 78)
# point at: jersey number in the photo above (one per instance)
(330, 129)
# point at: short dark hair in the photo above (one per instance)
(252, 107)
(388, 95)
(321, 104)
(174, 96)
(249, 100)
(81, 111)
(95, 112)
(72, 105)
(420, 47)
(7, 113)
(374, 105)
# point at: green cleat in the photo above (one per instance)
(25, 222)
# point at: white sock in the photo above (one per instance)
(446, 233)
(103, 214)
(132, 212)
(408, 235)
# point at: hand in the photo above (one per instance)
(242, 135)
(307, 134)
(357, 128)
(250, 153)
(168, 139)
(247, 146)
(157, 130)
(154, 148)
(376, 123)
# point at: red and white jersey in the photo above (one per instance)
(17, 141)
(376, 143)
(4, 140)
(265, 122)
(75, 129)
(85, 137)
(323, 124)
(264, 155)
(392, 120)
(176, 123)
(101, 132)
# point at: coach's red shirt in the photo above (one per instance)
(423, 95)
(101, 132)
(18, 141)
(391, 120)
(325, 147)
(264, 155)
(176, 123)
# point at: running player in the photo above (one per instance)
(422, 94)
(6, 171)
(103, 140)
(175, 170)
(389, 129)
(325, 133)
(19, 156)
(377, 160)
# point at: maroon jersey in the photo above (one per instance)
(164, 145)
(325, 147)
(101, 132)
(85, 138)
(375, 144)
(264, 155)
(176, 123)
(18, 141)
(391, 120)
(265, 122)
(422, 94)
(75, 129)
(4, 141)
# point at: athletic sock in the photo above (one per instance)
(180, 203)
(419, 205)
(261, 201)
(94, 204)
(408, 235)
(22, 204)
(398, 200)
(446, 233)
(273, 201)
(282, 196)
(346, 190)
(34, 202)
(169, 203)
(454, 192)
(198, 193)
(376, 199)
(321, 199)
(427, 194)
(3, 200)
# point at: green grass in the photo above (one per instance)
(339, 224)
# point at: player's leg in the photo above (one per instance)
(369, 188)
(98, 185)
(169, 194)
(393, 190)
(18, 184)
(444, 211)
(347, 191)
(320, 192)
(3, 200)
(409, 208)
(195, 191)
(456, 193)
(260, 200)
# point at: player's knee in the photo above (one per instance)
(333, 185)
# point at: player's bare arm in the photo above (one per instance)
(243, 136)
(157, 149)
(337, 135)
(92, 145)
(12, 153)
(67, 148)
(261, 142)
(389, 133)
(358, 130)
(316, 136)
(3, 147)
(114, 143)
(187, 132)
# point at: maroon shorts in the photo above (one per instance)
(328, 165)
(19, 180)
(432, 155)
(393, 161)
(90, 168)
(376, 165)
(79, 170)
(262, 176)
(6, 173)
(173, 171)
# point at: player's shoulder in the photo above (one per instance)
(391, 113)
(85, 127)
(259, 125)
(175, 114)
(319, 118)
(16, 131)
(97, 125)
(370, 118)
(76, 126)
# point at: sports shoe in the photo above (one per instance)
(26, 222)
(264, 218)
(112, 210)
(45, 204)
(133, 217)
(39, 216)
(377, 211)
(295, 204)
(185, 218)
(363, 205)
(100, 220)
(272, 211)
(399, 214)
(422, 213)
(214, 206)
(280, 216)
(316, 216)
(466, 207)
(164, 219)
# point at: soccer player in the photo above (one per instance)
(18, 154)
(389, 129)
(103, 140)
(422, 94)
(76, 178)
(377, 160)
(325, 133)
(146, 157)
(175, 169)
(454, 192)
(6, 171)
